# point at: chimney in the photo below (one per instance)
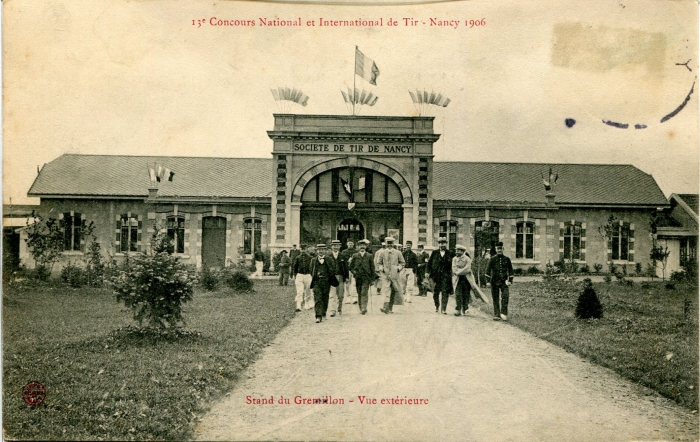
(152, 193)
(550, 199)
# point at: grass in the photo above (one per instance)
(105, 379)
(644, 334)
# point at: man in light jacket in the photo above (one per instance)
(389, 265)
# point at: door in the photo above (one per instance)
(213, 241)
(350, 229)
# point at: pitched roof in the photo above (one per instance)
(585, 184)
(127, 176)
(691, 199)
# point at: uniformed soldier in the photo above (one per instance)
(499, 274)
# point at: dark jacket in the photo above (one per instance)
(342, 264)
(423, 258)
(302, 264)
(439, 267)
(362, 267)
(331, 268)
(259, 255)
(499, 270)
(411, 260)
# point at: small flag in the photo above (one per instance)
(432, 98)
(447, 101)
(419, 94)
(365, 67)
(346, 187)
(361, 183)
(351, 206)
(152, 174)
(413, 97)
(438, 100)
(275, 94)
(374, 101)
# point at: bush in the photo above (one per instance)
(533, 270)
(638, 269)
(585, 269)
(588, 305)
(73, 275)
(238, 279)
(607, 279)
(267, 261)
(95, 265)
(154, 286)
(40, 273)
(597, 267)
(518, 272)
(612, 269)
(209, 279)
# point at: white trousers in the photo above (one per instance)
(304, 298)
(258, 269)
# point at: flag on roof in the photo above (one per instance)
(365, 67)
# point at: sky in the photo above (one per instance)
(142, 78)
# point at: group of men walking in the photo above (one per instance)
(324, 278)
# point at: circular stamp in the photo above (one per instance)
(34, 393)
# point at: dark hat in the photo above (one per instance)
(499, 244)
(409, 242)
(283, 251)
(420, 245)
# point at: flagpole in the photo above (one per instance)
(354, 74)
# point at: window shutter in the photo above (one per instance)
(631, 244)
(83, 225)
(561, 240)
(118, 233)
(139, 245)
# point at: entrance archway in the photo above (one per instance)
(350, 229)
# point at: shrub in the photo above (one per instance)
(154, 286)
(597, 267)
(238, 279)
(209, 279)
(518, 272)
(533, 270)
(73, 275)
(588, 305)
(607, 279)
(266, 261)
(612, 269)
(638, 269)
(585, 269)
(95, 265)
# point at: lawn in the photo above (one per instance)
(106, 380)
(648, 333)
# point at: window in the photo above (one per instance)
(572, 241)
(72, 226)
(485, 237)
(689, 251)
(129, 234)
(360, 185)
(525, 240)
(176, 233)
(448, 229)
(252, 235)
(620, 242)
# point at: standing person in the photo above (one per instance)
(389, 266)
(301, 270)
(294, 253)
(423, 258)
(336, 295)
(362, 268)
(377, 254)
(499, 274)
(323, 271)
(440, 270)
(409, 271)
(259, 258)
(461, 266)
(346, 255)
(283, 267)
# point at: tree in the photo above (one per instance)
(660, 254)
(155, 285)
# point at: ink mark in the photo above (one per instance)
(640, 126)
(623, 6)
(685, 64)
(679, 108)
(618, 125)
(569, 122)
(34, 393)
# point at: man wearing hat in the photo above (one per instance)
(336, 294)
(346, 255)
(323, 271)
(283, 268)
(362, 268)
(423, 258)
(389, 265)
(440, 270)
(301, 271)
(408, 274)
(461, 265)
(499, 274)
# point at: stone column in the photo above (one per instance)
(295, 223)
(410, 232)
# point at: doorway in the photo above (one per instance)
(350, 229)
(213, 241)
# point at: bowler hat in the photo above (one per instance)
(499, 244)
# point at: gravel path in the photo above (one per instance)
(483, 380)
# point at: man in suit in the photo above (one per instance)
(389, 265)
(301, 271)
(346, 255)
(294, 253)
(408, 274)
(499, 274)
(461, 266)
(283, 268)
(337, 293)
(440, 270)
(323, 271)
(423, 258)
(362, 268)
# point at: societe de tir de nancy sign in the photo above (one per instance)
(354, 148)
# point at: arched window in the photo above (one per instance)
(72, 229)
(448, 229)
(485, 237)
(252, 235)
(525, 240)
(348, 184)
(176, 233)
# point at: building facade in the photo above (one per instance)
(351, 177)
